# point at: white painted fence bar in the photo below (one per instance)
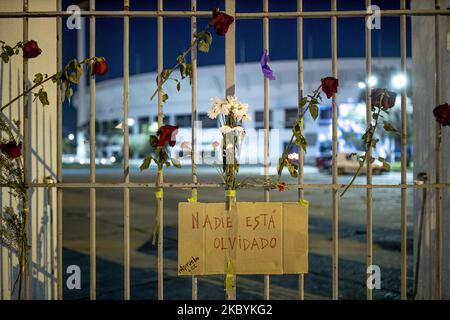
(369, 211)
(301, 193)
(438, 155)
(194, 119)
(230, 84)
(159, 200)
(266, 130)
(126, 152)
(335, 194)
(26, 142)
(246, 15)
(93, 191)
(404, 163)
(59, 179)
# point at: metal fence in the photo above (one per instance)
(265, 15)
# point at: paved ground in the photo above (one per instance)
(352, 233)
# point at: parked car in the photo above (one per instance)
(347, 164)
(322, 162)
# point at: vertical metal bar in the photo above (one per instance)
(438, 287)
(301, 191)
(404, 230)
(335, 195)
(59, 274)
(194, 118)
(93, 191)
(26, 138)
(126, 167)
(369, 153)
(266, 130)
(230, 60)
(159, 200)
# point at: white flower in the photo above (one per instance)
(225, 129)
(238, 130)
(218, 106)
(293, 156)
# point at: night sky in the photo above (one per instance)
(249, 38)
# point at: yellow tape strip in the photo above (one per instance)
(230, 193)
(229, 278)
(159, 194)
(193, 198)
(304, 202)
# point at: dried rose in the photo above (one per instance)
(220, 22)
(330, 86)
(167, 134)
(442, 114)
(281, 186)
(12, 149)
(388, 100)
(100, 67)
(31, 49)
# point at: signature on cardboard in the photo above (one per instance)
(189, 266)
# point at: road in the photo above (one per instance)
(352, 237)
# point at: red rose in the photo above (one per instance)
(167, 134)
(281, 186)
(31, 49)
(100, 67)
(330, 86)
(12, 149)
(220, 22)
(442, 114)
(388, 100)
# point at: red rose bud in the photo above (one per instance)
(220, 22)
(31, 49)
(11, 149)
(167, 134)
(388, 100)
(281, 186)
(100, 67)
(330, 86)
(442, 114)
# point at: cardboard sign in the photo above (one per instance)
(258, 237)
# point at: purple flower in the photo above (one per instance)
(268, 73)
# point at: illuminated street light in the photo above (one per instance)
(372, 81)
(399, 81)
(112, 159)
(361, 85)
(71, 137)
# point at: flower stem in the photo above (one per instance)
(161, 82)
(26, 92)
(368, 144)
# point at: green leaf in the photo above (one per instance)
(381, 159)
(389, 127)
(386, 166)
(204, 42)
(153, 140)
(314, 111)
(303, 102)
(69, 91)
(146, 163)
(9, 51)
(178, 86)
(176, 163)
(43, 97)
(165, 97)
(38, 78)
(5, 57)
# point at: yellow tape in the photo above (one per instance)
(229, 278)
(159, 194)
(230, 193)
(304, 202)
(193, 198)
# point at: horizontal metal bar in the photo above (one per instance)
(246, 15)
(221, 185)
